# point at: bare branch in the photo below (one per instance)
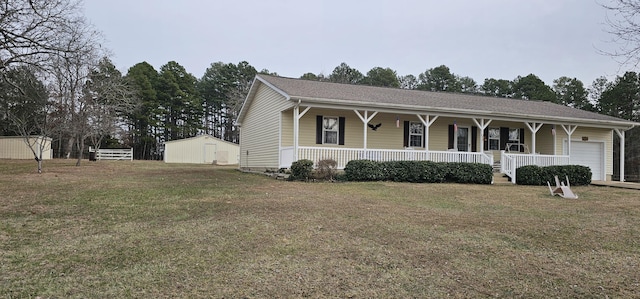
(624, 26)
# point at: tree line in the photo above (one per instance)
(57, 80)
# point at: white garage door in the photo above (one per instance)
(589, 154)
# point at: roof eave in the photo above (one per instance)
(251, 95)
(626, 125)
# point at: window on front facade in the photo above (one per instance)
(514, 135)
(330, 130)
(514, 141)
(415, 134)
(494, 139)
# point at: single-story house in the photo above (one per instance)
(203, 149)
(285, 120)
(15, 147)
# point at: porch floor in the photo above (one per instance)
(617, 184)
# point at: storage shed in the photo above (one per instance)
(15, 147)
(204, 149)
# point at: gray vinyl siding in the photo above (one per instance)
(260, 131)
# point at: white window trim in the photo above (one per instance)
(336, 126)
(489, 138)
(518, 141)
(468, 141)
(421, 134)
(509, 137)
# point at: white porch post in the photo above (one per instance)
(533, 127)
(482, 124)
(365, 120)
(569, 129)
(621, 135)
(427, 121)
(296, 128)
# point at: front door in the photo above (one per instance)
(463, 139)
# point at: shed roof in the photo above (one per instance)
(200, 137)
(473, 105)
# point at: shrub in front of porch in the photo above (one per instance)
(326, 170)
(364, 170)
(413, 171)
(535, 175)
(301, 170)
(468, 173)
(419, 172)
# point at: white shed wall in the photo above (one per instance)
(203, 149)
(14, 147)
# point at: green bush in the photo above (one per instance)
(530, 175)
(401, 171)
(364, 170)
(533, 175)
(301, 170)
(419, 172)
(468, 173)
(341, 176)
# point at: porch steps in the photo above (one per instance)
(500, 179)
(496, 166)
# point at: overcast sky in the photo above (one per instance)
(477, 38)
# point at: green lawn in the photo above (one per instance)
(149, 229)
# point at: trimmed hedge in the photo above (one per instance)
(363, 170)
(534, 175)
(418, 172)
(301, 170)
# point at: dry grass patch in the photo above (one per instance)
(149, 229)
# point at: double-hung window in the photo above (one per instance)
(514, 135)
(494, 139)
(514, 142)
(330, 130)
(416, 133)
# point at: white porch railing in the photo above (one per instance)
(344, 155)
(510, 162)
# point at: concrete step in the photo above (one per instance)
(501, 179)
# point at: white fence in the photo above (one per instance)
(112, 153)
(510, 162)
(344, 155)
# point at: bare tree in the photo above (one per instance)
(624, 25)
(53, 37)
(28, 109)
(71, 72)
(30, 31)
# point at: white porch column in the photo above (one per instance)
(569, 129)
(427, 121)
(365, 120)
(482, 124)
(621, 135)
(296, 128)
(533, 127)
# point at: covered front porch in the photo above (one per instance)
(343, 155)
(388, 135)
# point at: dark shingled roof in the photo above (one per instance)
(424, 100)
